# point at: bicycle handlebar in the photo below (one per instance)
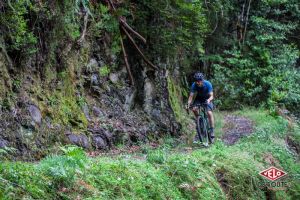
(204, 105)
(198, 105)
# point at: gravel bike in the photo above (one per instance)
(202, 124)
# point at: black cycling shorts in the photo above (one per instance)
(210, 106)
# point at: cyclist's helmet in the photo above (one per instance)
(198, 76)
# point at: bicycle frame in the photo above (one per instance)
(202, 124)
(202, 110)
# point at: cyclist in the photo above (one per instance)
(202, 92)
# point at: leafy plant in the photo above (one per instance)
(16, 29)
(104, 71)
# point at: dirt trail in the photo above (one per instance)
(236, 127)
(122, 151)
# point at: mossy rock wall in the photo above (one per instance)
(58, 86)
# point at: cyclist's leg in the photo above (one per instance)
(194, 108)
(211, 120)
(195, 111)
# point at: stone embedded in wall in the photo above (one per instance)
(85, 109)
(97, 112)
(79, 140)
(149, 91)
(3, 143)
(129, 99)
(104, 134)
(95, 79)
(156, 113)
(92, 65)
(35, 113)
(101, 63)
(99, 142)
(113, 58)
(114, 77)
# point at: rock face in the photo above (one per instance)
(113, 77)
(92, 65)
(79, 140)
(3, 143)
(149, 94)
(99, 142)
(35, 113)
(73, 102)
(129, 99)
(95, 79)
(97, 112)
(86, 112)
(102, 139)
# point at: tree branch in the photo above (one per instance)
(123, 22)
(126, 62)
(112, 5)
(84, 27)
(246, 23)
(138, 49)
(217, 22)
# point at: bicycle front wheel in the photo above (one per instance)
(199, 127)
(204, 132)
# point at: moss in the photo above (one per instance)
(176, 102)
(65, 106)
(65, 103)
(13, 18)
(50, 74)
(68, 111)
(5, 80)
(85, 53)
(175, 99)
(104, 71)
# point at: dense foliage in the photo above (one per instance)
(219, 172)
(249, 48)
(259, 62)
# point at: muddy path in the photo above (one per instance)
(236, 127)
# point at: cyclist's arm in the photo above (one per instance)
(191, 98)
(211, 97)
(193, 94)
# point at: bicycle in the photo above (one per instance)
(202, 124)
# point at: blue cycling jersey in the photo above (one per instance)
(203, 91)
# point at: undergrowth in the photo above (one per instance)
(218, 172)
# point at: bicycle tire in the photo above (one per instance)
(208, 132)
(206, 137)
(198, 127)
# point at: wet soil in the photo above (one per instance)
(235, 128)
(293, 145)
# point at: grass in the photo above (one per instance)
(219, 123)
(218, 172)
